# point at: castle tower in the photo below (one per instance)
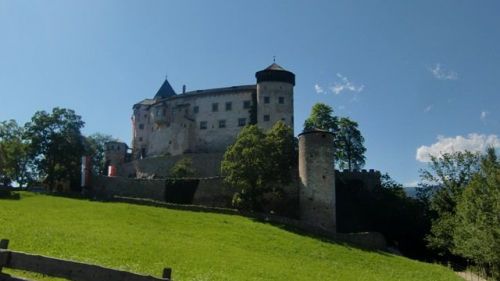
(274, 96)
(317, 179)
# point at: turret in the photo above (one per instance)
(274, 96)
(317, 179)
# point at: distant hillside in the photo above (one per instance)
(197, 246)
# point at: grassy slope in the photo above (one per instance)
(198, 246)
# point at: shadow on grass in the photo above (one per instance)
(8, 194)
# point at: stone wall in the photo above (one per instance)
(368, 179)
(317, 179)
(204, 164)
(207, 191)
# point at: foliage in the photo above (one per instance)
(200, 245)
(258, 163)
(349, 143)
(13, 154)
(477, 232)
(386, 209)
(350, 148)
(95, 147)
(182, 168)
(56, 145)
(321, 118)
(443, 184)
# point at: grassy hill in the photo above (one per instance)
(197, 246)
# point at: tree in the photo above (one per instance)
(477, 232)
(258, 163)
(183, 169)
(442, 187)
(13, 154)
(348, 141)
(56, 145)
(350, 145)
(95, 147)
(321, 118)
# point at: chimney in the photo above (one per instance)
(183, 89)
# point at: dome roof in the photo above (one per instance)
(275, 73)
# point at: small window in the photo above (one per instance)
(203, 125)
(229, 106)
(222, 123)
(215, 107)
(281, 100)
(118, 148)
(164, 111)
(140, 139)
(266, 117)
(247, 104)
(242, 122)
(196, 109)
(266, 99)
(141, 126)
(283, 119)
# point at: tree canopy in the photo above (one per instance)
(13, 154)
(477, 232)
(348, 141)
(258, 163)
(56, 145)
(442, 186)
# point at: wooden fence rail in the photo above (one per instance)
(71, 270)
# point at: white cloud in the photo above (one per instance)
(472, 142)
(442, 74)
(318, 89)
(428, 108)
(483, 115)
(343, 84)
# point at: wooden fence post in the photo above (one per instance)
(4, 257)
(167, 272)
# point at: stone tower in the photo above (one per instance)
(274, 96)
(317, 179)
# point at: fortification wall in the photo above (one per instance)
(368, 179)
(204, 164)
(203, 191)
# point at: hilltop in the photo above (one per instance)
(197, 246)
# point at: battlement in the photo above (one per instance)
(368, 179)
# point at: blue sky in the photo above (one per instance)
(420, 77)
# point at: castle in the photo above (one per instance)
(201, 125)
(205, 121)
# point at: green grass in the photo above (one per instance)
(197, 246)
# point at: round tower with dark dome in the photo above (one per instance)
(274, 96)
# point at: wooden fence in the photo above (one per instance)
(65, 269)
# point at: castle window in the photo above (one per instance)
(283, 119)
(229, 106)
(247, 104)
(242, 122)
(281, 100)
(266, 99)
(196, 109)
(141, 126)
(215, 107)
(140, 139)
(267, 117)
(203, 125)
(222, 123)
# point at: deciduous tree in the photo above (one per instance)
(13, 154)
(477, 233)
(56, 144)
(442, 186)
